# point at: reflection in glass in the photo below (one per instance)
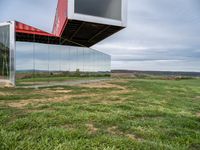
(4, 52)
(41, 59)
(48, 60)
(24, 60)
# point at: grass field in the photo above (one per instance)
(119, 114)
(48, 81)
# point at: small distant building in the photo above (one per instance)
(78, 25)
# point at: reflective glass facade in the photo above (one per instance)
(5, 52)
(35, 60)
(32, 62)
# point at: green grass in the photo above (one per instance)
(46, 80)
(130, 114)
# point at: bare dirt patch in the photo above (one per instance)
(91, 128)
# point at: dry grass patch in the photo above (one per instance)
(53, 91)
(198, 97)
(101, 85)
(107, 85)
(23, 103)
(114, 130)
(60, 94)
(39, 110)
(198, 115)
(133, 137)
(62, 91)
(91, 128)
(68, 127)
(5, 94)
(19, 104)
(58, 90)
(54, 98)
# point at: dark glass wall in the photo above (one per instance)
(111, 9)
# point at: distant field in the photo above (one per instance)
(124, 113)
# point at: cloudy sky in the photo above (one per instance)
(161, 34)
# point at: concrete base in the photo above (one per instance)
(6, 84)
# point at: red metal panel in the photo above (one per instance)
(59, 22)
(61, 17)
(23, 28)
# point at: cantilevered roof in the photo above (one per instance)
(27, 33)
(71, 27)
(86, 29)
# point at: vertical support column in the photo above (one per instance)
(60, 49)
(12, 53)
(49, 75)
(34, 58)
(7, 52)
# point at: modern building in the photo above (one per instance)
(26, 51)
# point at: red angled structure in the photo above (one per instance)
(61, 19)
(26, 29)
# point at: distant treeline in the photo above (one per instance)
(159, 73)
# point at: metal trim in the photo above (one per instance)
(12, 52)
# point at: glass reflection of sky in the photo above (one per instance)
(46, 57)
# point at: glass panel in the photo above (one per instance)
(5, 52)
(54, 61)
(41, 61)
(24, 62)
(57, 63)
(63, 53)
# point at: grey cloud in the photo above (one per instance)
(157, 30)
